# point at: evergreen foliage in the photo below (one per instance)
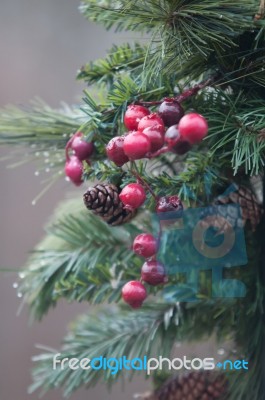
(83, 259)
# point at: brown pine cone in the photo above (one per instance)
(251, 209)
(103, 200)
(199, 385)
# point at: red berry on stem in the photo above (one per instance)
(171, 112)
(193, 127)
(153, 272)
(82, 149)
(134, 293)
(74, 170)
(155, 136)
(151, 120)
(136, 145)
(133, 195)
(133, 115)
(176, 142)
(145, 245)
(169, 203)
(115, 151)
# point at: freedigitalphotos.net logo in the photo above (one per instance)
(202, 239)
(114, 365)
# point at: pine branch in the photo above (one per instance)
(78, 260)
(38, 124)
(151, 331)
(120, 59)
(137, 15)
(130, 334)
(180, 29)
(118, 14)
(43, 131)
(236, 133)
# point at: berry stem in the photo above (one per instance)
(193, 91)
(144, 183)
(181, 97)
(157, 153)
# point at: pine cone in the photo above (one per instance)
(193, 386)
(103, 200)
(251, 209)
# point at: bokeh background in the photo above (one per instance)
(42, 45)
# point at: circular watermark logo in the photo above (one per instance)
(222, 227)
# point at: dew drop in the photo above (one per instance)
(46, 154)
(15, 285)
(19, 294)
(21, 275)
(64, 135)
(67, 179)
(221, 352)
(33, 203)
(47, 169)
(37, 154)
(36, 173)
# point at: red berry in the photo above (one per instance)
(82, 149)
(136, 145)
(193, 127)
(176, 142)
(151, 120)
(74, 170)
(133, 115)
(134, 293)
(155, 136)
(133, 195)
(145, 245)
(115, 151)
(153, 272)
(169, 203)
(171, 112)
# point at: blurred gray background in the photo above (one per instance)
(42, 45)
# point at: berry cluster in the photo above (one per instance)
(151, 134)
(146, 245)
(81, 151)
